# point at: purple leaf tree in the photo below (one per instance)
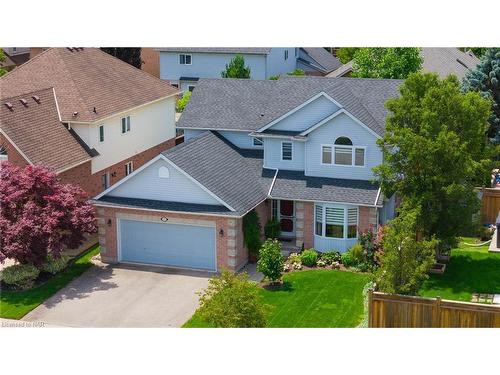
(39, 215)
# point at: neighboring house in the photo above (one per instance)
(183, 67)
(92, 126)
(15, 56)
(443, 61)
(300, 150)
(151, 61)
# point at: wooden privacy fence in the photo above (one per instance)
(490, 205)
(397, 311)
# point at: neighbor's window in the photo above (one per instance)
(129, 168)
(176, 85)
(125, 124)
(286, 54)
(105, 181)
(101, 133)
(258, 141)
(191, 88)
(286, 151)
(184, 59)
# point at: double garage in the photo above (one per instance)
(166, 243)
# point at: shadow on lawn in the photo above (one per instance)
(286, 286)
(466, 273)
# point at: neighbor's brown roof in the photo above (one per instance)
(38, 132)
(85, 78)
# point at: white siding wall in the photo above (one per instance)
(177, 188)
(272, 155)
(308, 115)
(341, 126)
(150, 126)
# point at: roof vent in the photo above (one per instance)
(261, 115)
(70, 49)
(36, 98)
(24, 102)
(75, 114)
(9, 106)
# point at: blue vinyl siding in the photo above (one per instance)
(341, 125)
(178, 187)
(276, 63)
(192, 133)
(240, 139)
(308, 115)
(177, 245)
(272, 155)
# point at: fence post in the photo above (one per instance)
(436, 319)
(370, 308)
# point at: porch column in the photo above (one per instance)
(299, 224)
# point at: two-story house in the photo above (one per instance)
(88, 115)
(183, 67)
(300, 150)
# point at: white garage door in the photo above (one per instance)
(177, 245)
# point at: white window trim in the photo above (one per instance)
(103, 134)
(190, 58)
(129, 167)
(129, 124)
(353, 155)
(291, 159)
(346, 223)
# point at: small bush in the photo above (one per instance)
(274, 78)
(231, 301)
(55, 265)
(330, 257)
(272, 229)
(21, 276)
(294, 258)
(347, 259)
(270, 260)
(297, 72)
(357, 253)
(251, 232)
(309, 258)
(182, 102)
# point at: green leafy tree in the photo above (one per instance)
(435, 152)
(485, 79)
(346, 54)
(270, 260)
(386, 62)
(252, 232)
(131, 56)
(231, 301)
(405, 262)
(183, 101)
(236, 68)
(2, 59)
(477, 51)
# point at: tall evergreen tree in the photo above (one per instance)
(236, 68)
(131, 56)
(485, 79)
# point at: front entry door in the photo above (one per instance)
(287, 217)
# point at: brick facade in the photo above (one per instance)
(150, 61)
(14, 157)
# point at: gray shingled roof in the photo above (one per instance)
(252, 50)
(233, 175)
(295, 185)
(326, 61)
(242, 104)
(165, 205)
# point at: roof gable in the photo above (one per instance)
(84, 79)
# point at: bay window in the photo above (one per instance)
(336, 222)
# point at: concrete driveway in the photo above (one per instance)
(124, 296)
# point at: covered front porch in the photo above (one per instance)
(323, 226)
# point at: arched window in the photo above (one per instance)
(343, 141)
(163, 172)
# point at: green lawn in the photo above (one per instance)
(470, 270)
(316, 298)
(16, 304)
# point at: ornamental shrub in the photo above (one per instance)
(251, 232)
(231, 301)
(348, 259)
(330, 257)
(272, 228)
(54, 265)
(270, 261)
(21, 276)
(309, 257)
(182, 102)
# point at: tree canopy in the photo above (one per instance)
(2, 59)
(236, 68)
(485, 79)
(40, 215)
(346, 54)
(386, 62)
(435, 152)
(131, 56)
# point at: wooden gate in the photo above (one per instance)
(490, 205)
